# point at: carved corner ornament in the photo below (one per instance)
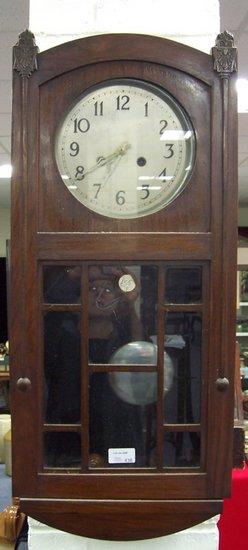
(225, 55)
(25, 54)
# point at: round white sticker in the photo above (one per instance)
(126, 283)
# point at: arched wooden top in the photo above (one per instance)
(137, 47)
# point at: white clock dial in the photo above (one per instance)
(125, 149)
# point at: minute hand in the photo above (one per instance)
(120, 151)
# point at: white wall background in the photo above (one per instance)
(195, 22)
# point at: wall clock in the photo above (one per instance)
(123, 316)
(136, 143)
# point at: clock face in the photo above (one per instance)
(125, 149)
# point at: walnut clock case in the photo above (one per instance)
(123, 283)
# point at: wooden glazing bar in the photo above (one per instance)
(84, 368)
(99, 470)
(122, 368)
(182, 470)
(62, 428)
(61, 307)
(183, 307)
(160, 360)
(189, 263)
(182, 427)
(41, 359)
(61, 471)
(118, 470)
(204, 361)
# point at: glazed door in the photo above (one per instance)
(123, 369)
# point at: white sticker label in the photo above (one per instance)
(126, 283)
(121, 456)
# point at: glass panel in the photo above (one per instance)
(62, 284)
(62, 367)
(183, 345)
(122, 309)
(242, 332)
(183, 285)
(243, 279)
(62, 450)
(182, 449)
(123, 419)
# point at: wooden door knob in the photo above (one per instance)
(23, 384)
(222, 384)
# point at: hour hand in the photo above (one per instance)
(102, 161)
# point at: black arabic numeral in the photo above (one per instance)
(98, 108)
(74, 147)
(164, 124)
(98, 185)
(169, 150)
(163, 174)
(81, 125)
(120, 198)
(79, 173)
(146, 109)
(122, 102)
(145, 188)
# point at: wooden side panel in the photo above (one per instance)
(223, 294)
(23, 287)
